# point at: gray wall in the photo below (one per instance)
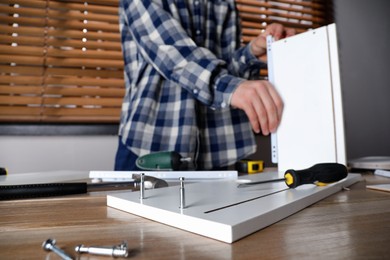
(24, 154)
(364, 48)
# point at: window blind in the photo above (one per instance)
(302, 15)
(61, 60)
(298, 14)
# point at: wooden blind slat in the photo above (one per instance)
(30, 60)
(247, 25)
(91, 25)
(79, 34)
(30, 3)
(62, 91)
(91, 63)
(77, 15)
(18, 79)
(12, 90)
(94, 2)
(87, 44)
(81, 101)
(21, 40)
(101, 92)
(114, 83)
(83, 114)
(21, 50)
(6, 9)
(35, 21)
(85, 72)
(259, 9)
(20, 100)
(23, 111)
(66, 14)
(69, 5)
(22, 70)
(310, 4)
(35, 80)
(38, 33)
(282, 15)
(88, 54)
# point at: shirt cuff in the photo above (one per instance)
(224, 86)
(248, 52)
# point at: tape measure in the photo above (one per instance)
(249, 166)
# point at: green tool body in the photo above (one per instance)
(163, 161)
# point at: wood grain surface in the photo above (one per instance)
(352, 224)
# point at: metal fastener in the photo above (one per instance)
(182, 194)
(50, 245)
(115, 251)
(142, 186)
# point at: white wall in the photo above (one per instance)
(20, 154)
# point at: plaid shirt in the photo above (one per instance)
(183, 61)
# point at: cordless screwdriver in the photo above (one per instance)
(163, 161)
(320, 174)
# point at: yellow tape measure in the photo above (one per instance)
(249, 166)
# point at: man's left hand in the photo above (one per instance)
(278, 31)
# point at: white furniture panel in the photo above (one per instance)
(306, 74)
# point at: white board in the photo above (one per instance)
(305, 71)
(221, 211)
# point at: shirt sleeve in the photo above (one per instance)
(244, 64)
(165, 45)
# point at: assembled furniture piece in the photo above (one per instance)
(304, 69)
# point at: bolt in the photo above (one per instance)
(142, 187)
(115, 251)
(182, 194)
(50, 245)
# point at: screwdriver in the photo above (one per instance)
(3, 171)
(320, 174)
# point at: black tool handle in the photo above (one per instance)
(322, 172)
(3, 171)
(8, 192)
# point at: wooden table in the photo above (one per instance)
(351, 224)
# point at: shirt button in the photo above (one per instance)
(223, 104)
(196, 2)
(195, 91)
(197, 32)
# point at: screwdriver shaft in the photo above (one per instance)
(243, 185)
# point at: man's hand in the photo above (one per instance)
(278, 31)
(261, 103)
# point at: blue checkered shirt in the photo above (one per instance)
(183, 60)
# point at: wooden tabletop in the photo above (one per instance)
(352, 224)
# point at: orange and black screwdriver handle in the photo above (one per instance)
(320, 174)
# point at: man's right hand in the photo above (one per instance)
(261, 103)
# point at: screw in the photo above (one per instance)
(50, 245)
(142, 186)
(182, 194)
(115, 251)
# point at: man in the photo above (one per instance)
(186, 83)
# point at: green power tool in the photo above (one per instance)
(163, 161)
